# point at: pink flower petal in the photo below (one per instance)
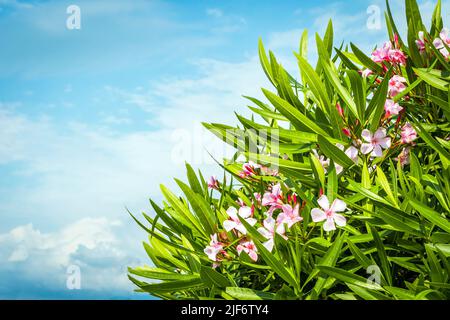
(323, 202)
(245, 212)
(229, 225)
(251, 221)
(366, 148)
(269, 223)
(352, 153)
(340, 220)
(268, 245)
(240, 227)
(329, 225)
(318, 215)
(380, 133)
(366, 135)
(232, 213)
(253, 255)
(385, 142)
(338, 205)
(377, 151)
(265, 233)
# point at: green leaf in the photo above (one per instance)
(435, 266)
(359, 94)
(333, 152)
(193, 180)
(160, 274)
(385, 266)
(365, 60)
(431, 79)
(430, 215)
(265, 62)
(329, 259)
(340, 89)
(348, 277)
(413, 12)
(200, 207)
(182, 210)
(315, 84)
(431, 142)
(299, 120)
(268, 257)
(213, 277)
(384, 183)
(303, 50)
(248, 294)
(375, 110)
(359, 255)
(170, 286)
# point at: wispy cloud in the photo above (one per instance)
(38, 262)
(214, 12)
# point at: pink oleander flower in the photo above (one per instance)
(289, 216)
(397, 56)
(366, 72)
(382, 54)
(392, 108)
(269, 230)
(420, 43)
(249, 248)
(351, 152)
(274, 198)
(323, 161)
(329, 214)
(269, 172)
(249, 169)
(403, 157)
(442, 49)
(408, 133)
(339, 109)
(215, 247)
(396, 85)
(375, 143)
(213, 183)
(240, 202)
(347, 132)
(389, 54)
(445, 35)
(234, 223)
(439, 43)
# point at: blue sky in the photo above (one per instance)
(93, 120)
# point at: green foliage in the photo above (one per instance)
(398, 203)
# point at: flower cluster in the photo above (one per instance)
(280, 211)
(373, 143)
(443, 42)
(251, 169)
(389, 53)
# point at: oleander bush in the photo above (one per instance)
(344, 189)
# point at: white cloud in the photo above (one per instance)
(15, 4)
(214, 12)
(41, 259)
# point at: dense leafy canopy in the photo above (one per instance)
(344, 192)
